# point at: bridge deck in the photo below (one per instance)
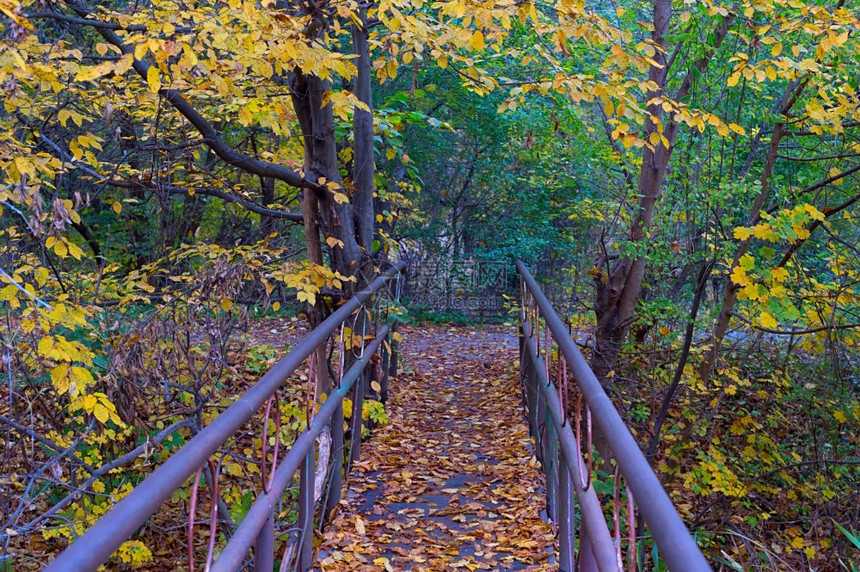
(450, 483)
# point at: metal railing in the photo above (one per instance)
(368, 333)
(548, 354)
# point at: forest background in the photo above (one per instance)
(682, 175)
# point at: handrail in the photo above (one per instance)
(677, 547)
(99, 542)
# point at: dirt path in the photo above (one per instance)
(450, 483)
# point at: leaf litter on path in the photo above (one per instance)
(450, 483)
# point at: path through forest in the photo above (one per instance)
(451, 482)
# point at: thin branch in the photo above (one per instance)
(821, 158)
(828, 212)
(210, 135)
(251, 206)
(821, 184)
(101, 471)
(806, 463)
(45, 441)
(24, 290)
(749, 322)
(98, 24)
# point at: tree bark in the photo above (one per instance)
(617, 297)
(620, 291)
(730, 294)
(363, 161)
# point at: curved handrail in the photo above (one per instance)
(677, 547)
(101, 540)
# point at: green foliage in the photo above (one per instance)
(422, 313)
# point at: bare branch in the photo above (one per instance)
(807, 331)
(173, 189)
(210, 135)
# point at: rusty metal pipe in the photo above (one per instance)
(674, 541)
(98, 544)
(592, 513)
(234, 553)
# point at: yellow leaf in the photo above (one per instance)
(384, 563)
(797, 543)
(117, 207)
(60, 376)
(60, 249)
(779, 274)
(767, 320)
(276, 306)
(840, 416)
(308, 297)
(245, 116)
(153, 78)
(763, 231)
(8, 293)
(813, 212)
(609, 108)
(737, 129)
(82, 376)
(123, 64)
(739, 276)
(140, 50)
(742, 233)
(101, 412)
(226, 304)
(477, 40)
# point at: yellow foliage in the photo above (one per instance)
(135, 553)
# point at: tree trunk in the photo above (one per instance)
(617, 296)
(730, 294)
(363, 160)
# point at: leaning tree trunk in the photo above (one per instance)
(363, 160)
(619, 290)
(730, 294)
(350, 224)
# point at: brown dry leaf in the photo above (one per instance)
(447, 484)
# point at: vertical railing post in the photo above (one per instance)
(336, 476)
(264, 547)
(550, 467)
(587, 561)
(540, 417)
(395, 350)
(356, 423)
(531, 391)
(306, 511)
(566, 530)
(386, 364)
